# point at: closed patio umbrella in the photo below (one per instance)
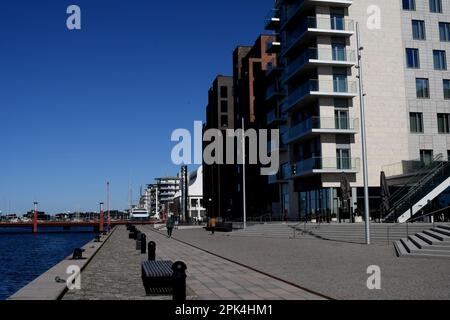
(385, 196)
(346, 192)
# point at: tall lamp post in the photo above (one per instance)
(244, 201)
(107, 207)
(363, 136)
(101, 218)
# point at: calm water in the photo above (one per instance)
(24, 256)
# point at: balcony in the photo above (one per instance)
(314, 57)
(313, 89)
(273, 47)
(272, 69)
(272, 21)
(318, 26)
(296, 8)
(274, 119)
(322, 125)
(273, 92)
(319, 165)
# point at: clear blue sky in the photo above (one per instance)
(79, 108)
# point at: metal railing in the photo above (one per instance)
(330, 123)
(413, 220)
(425, 185)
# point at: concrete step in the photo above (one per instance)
(419, 243)
(426, 246)
(444, 227)
(400, 249)
(436, 235)
(445, 232)
(409, 245)
(429, 239)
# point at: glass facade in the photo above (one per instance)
(318, 204)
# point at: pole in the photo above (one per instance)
(363, 137)
(101, 218)
(107, 207)
(35, 216)
(244, 204)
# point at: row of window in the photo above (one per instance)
(413, 59)
(419, 32)
(434, 5)
(416, 122)
(423, 88)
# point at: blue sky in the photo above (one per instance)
(79, 108)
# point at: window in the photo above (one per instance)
(224, 106)
(436, 6)
(443, 120)
(412, 58)
(416, 122)
(444, 31)
(343, 159)
(426, 156)
(341, 119)
(338, 52)
(418, 29)
(409, 5)
(340, 83)
(422, 88)
(224, 92)
(446, 86)
(440, 60)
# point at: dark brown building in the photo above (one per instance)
(218, 179)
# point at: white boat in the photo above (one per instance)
(139, 213)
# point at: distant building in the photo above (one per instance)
(195, 206)
(158, 197)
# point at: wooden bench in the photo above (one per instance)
(157, 277)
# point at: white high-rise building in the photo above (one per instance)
(314, 95)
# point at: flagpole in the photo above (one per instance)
(244, 204)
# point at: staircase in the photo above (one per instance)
(433, 243)
(420, 194)
(381, 234)
(267, 230)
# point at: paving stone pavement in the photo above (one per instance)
(115, 274)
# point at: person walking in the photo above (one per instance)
(169, 226)
(212, 224)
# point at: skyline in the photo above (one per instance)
(62, 89)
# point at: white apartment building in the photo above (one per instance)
(315, 103)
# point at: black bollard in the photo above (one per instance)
(138, 241)
(143, 242)
(77, 254)
(151, 251)
(179, 281)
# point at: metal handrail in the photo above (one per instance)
(412, 220)
(417, 186)
(423, 170)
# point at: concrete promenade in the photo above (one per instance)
(336, 269)
(114, 273)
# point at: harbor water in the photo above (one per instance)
(25, 256)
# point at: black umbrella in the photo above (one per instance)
(385, 195)
(346, 191)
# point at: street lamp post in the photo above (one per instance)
(244, 202)
(101, 218)
(363, 136)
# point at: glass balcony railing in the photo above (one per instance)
(329, 24)
(336, 123)
(321, 54)
(273, 91)
(339, 86)
(328, 164)
(272, 19)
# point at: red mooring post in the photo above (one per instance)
(35, 216)
(101, 218)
